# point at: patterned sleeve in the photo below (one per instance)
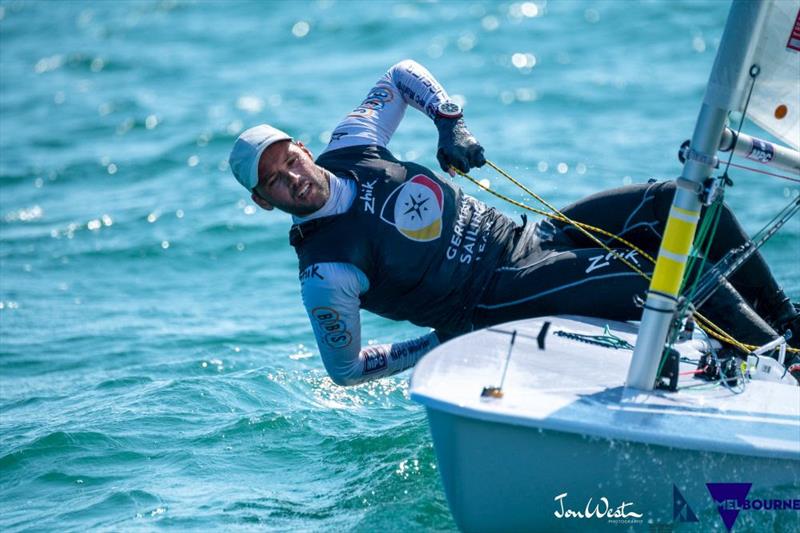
(331, 297)
(376, 118)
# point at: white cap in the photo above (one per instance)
(247, 151)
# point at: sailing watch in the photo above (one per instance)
(449, 109)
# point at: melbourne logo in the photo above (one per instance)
(730, 498)
(415, 209)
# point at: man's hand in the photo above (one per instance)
(457, 147)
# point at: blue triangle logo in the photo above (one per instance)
(681, 511)
(729, 498)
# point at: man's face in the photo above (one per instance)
(289, 180)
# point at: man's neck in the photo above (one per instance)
(341, 193)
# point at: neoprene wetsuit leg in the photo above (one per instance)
(639, 212)
(591, 282)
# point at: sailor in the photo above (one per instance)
(393, 237)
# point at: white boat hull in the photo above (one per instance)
(565, 424)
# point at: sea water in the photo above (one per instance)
(157, 368)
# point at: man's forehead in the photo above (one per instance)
(271, 156)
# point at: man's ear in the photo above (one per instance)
(263, 204)
(305, 149)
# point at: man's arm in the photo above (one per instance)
(375, 120)
(331, 297)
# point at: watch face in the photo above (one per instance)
(449, 109)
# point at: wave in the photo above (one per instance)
(56, 444)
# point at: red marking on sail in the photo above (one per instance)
(794, 37)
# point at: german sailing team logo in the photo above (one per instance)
(415, 209)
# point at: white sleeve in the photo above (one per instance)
(375, 119)
(331, 297)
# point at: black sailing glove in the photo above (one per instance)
(457, 146)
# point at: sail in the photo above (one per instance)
(775, 104)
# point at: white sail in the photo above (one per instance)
(775, 104)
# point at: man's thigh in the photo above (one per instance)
(586, 281)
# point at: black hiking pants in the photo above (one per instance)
(556, 269)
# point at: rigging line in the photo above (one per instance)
(777, 222)
(733, 259)
(568, 220)
(783, 215)
(601, 231)
(719, 334)
(708, 236)
(751, 169)
(755, 70)
(712, 329)
(709, 225)
(700, 387)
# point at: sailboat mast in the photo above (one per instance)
(724, 92)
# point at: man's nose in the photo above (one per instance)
(289, 178)
(292, 179)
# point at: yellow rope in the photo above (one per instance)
(707, 325)
(720, 334)
(558, 215)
